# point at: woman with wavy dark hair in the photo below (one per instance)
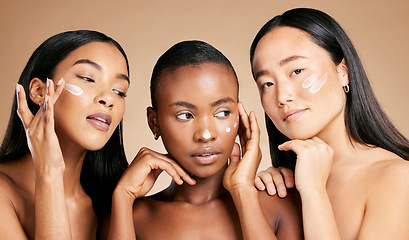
(323, 119)
(62, 153)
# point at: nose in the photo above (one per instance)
(205, 132)
(105, 98)
(285, 94)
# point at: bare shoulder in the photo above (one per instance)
(391, 172)
(10, 225)
(386, 208)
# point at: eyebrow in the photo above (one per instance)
(291, 58)
(282, 62)
(223, 100)
(192, 106)
(98, 67)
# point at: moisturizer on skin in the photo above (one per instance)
(73, 89)
(313, 83)
(206, 134)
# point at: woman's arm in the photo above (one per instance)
(137, 181)
(314, 159)
(51, 214)
(239, 180)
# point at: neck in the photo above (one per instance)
(336, 136)
(72, 173)
(204, 191)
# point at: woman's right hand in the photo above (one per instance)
(41, 137)
(314, 161)
(275, 180)
(146, 167)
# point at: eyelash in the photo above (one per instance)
(226, 114)
(86, 79)
(190, 116)
(266, 85)
(119, 93)
(296, 72)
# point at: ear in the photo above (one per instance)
(37, 90)
(343, 74)
(153, 121)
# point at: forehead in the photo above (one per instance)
(201, 83)
(282, 42)
(105, 54)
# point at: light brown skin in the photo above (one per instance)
(200, 207)
(355, 191)
(40, 194)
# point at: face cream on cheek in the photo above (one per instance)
(313, 83)
(73, 89)
(235, 125)
(228, 129)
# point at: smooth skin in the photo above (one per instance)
(208, 202)
(348, 191)
(40, 194)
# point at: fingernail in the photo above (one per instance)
(17, 89)
(60, 81)
(47, 84)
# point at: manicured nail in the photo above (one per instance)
(60, 81)
(47, 84)
(17, 89)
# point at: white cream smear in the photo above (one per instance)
(314, 83)
(206, 134)
(228, 129)
(73, 89)
(235, 125)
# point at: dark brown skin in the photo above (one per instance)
(170, 215)
(198, 112)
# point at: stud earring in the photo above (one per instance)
(346, 88)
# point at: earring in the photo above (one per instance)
(156, 136)
(346, 88)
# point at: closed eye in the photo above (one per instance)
(121, 94)
(86, 79)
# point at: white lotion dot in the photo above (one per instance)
(228, 129)
(235, 124)
(73, 89)
(206, 134)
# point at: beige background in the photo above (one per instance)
(379, 30)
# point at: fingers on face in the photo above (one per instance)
(156, 160)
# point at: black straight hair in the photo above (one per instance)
(365, 120)
(192, 52)
(101, 169)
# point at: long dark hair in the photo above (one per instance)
(365, 120)
(101, 169)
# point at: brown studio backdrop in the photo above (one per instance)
(379, 30)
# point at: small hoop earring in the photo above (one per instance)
(156, 136)
(346, 88)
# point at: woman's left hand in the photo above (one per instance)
(240, 173)
(41, 137)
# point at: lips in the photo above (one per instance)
(100, 120)
(293, 115)
(205, 156)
